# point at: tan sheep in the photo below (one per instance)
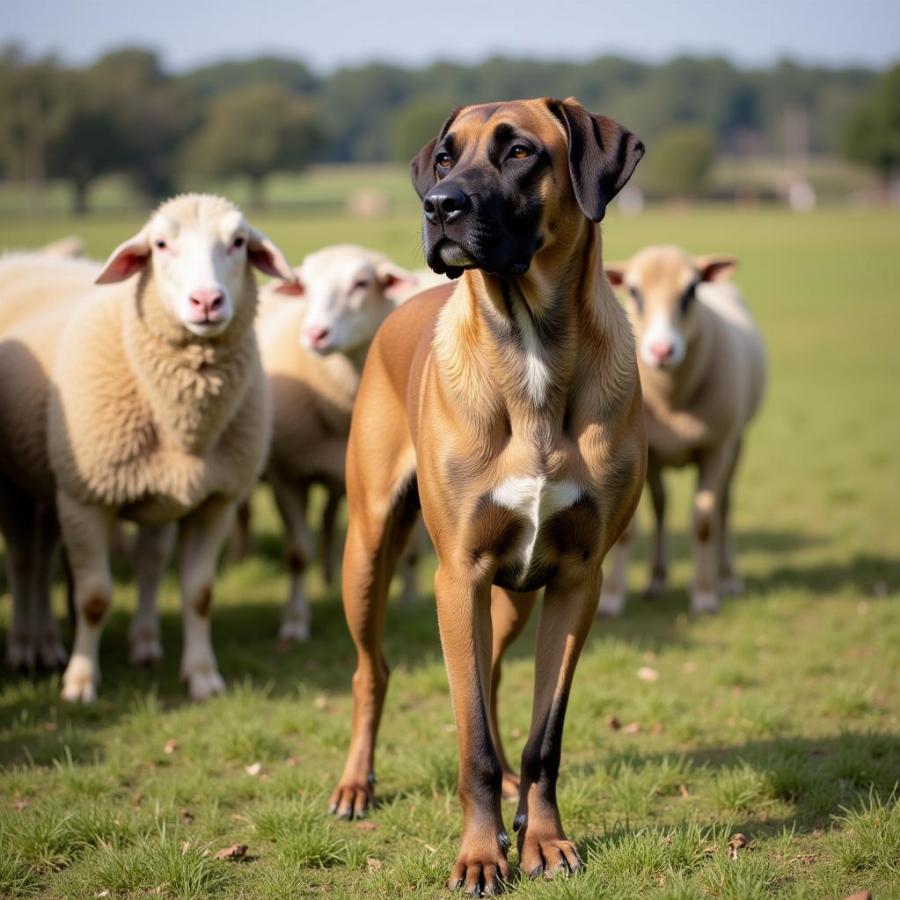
(314, 336)
(703, 373)
(157, 410)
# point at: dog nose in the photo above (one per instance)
(661, 350)
(444, 202)
(207, 300)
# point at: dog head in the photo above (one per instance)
(662, 284)
(502, 181)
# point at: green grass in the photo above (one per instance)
(778, 718)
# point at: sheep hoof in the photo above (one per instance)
(25, 653)
(655, 590)
(145, 651)
(293, 631)
(612, 603)
(731, 586)
(203, 685)
(704, 602)
(80, 681)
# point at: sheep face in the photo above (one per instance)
(198, 249)
(349, 291)
(662, 287)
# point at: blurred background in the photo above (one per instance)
(795, 104)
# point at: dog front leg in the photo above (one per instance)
(464, 617)
(510, 611)
(569, 607)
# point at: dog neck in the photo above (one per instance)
(515, 347)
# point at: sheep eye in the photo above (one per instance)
(161, 245)
(238, 242)
(360, 285)
(519, 152)
(688, 296)
(636, 296)
(442, 160)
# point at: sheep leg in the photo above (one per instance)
(713, 468)
(730, 583)
(409, 565)
(153, 551)
(290, 498)
(86, 532)
(203, 534)
(659, 566)
(614, 588)
(50, 652)
(240, 534)
(327, 542)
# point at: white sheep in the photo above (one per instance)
(703, 373)
(314, 335)
(157, 410)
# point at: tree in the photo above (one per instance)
(678, 164)
(872, 133)
(254, 131)
(412, 126)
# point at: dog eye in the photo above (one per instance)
(519, 152)
(442, 160)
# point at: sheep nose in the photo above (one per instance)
(317, 336)
(661, 350)
(207, 300)
(444, 201)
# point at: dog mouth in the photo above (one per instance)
(447, 257)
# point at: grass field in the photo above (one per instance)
(778, 719)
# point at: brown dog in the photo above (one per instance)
(508, 407)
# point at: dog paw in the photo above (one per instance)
(352, 799)
(704, 602)
(80, 680)
(546, 857)
(481, 871)
(612, 603)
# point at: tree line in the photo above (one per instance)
(125, 114)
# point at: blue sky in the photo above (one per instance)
(331, 34)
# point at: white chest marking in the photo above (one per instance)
(536, 499)
(537, 372)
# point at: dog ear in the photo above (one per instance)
(602, 155)
(421, 168)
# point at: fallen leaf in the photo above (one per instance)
(737, 842)
(631, 728)
(373, 865)
(515, 733)
(365, 825)
(656, 728)
(187, 817)
(807, 859)
(137, 799)
(689, 667)
(321, 702)
(612, 723)
(170, 746)
(21, 803)
(646, 673)
(682, 789)
(103, 893)
(292, 762)
(649, 656)
(710, 850)
(234, 852)
(254, 769)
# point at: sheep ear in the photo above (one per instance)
(602, 155)
(294, 288)
(615, 272)
(715, 268)
(396, 283)
(265, 256)
(128, 258)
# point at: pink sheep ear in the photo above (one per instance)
(128, 258)
(715, 268)
(265, 256)
(396, 283)
(294, 288)
(616, 274)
